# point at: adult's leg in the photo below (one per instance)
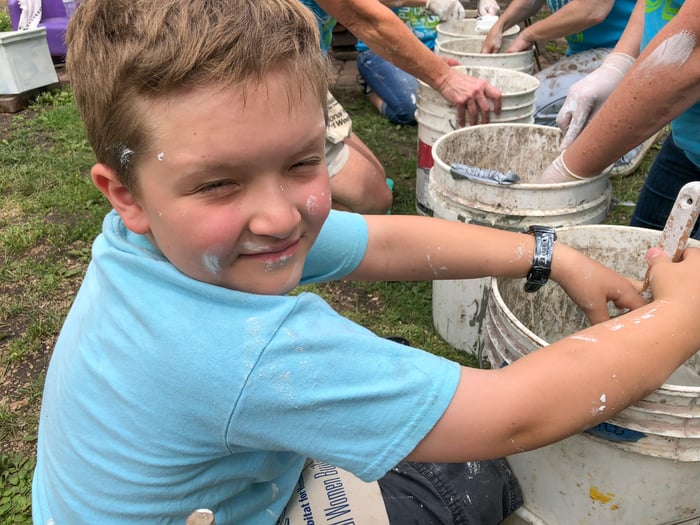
(472, 493)
(395, 88)
(670, 171)
(358, 181)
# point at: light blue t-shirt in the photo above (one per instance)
(606, 34)
(419, 20)
(165, 394)
(685, 127)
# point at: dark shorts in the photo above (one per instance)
(472, 493)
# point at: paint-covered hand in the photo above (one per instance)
(591, 285)
(446, 9)
(493, 41)
(489, 7)
(588, 94)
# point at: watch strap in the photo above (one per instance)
(542, 258)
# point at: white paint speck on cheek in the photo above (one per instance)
(161, 156)
(603, 398)
(312, 206)
(212, 263)
(674, 51)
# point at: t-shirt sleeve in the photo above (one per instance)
(339, 248)
(332, 390)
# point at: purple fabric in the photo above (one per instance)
(53, 18)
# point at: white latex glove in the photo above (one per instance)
(446, 9)
(588, 94)
(557, 172)
(489, 7)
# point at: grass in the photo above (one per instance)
(49, 215)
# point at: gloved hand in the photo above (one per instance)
(446, 9)
(588, 94)
(489, 7)
(557, 172)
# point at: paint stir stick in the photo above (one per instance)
(678, 226)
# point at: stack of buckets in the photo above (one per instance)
(641, 466)
(460, 39)
(436, 117)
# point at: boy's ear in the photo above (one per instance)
(133, 215)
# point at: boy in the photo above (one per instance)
(185, 377)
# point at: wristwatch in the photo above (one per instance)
(542, 259)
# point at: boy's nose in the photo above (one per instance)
(274, 213)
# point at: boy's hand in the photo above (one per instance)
(674, 281)
(591, 285)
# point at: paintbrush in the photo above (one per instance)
(678, 226)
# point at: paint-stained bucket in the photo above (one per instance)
(459, 307)
(641, 466)
(467, 51)
(436, 116)
(467, 28)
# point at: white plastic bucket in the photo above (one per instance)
(643, 465)
(466, 28)
(467, 51)
(459, 307)
(436, 116)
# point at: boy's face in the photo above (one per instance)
(236, 192)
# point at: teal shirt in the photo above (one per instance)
(326, 23)
(419, 20)
(685, 128)
(605, 35)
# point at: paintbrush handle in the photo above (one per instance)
(679, 224)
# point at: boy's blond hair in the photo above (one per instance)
(124, 54)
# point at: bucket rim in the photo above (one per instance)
(526, 185)
(441, 46)
(686, 390)
(491, 69)
(441, 28)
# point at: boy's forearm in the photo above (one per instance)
(420, 248)
(564, 388)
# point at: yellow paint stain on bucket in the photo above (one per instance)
(597, 495)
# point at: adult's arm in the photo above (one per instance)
(385, 34)
(661, 85)
(572, 18)
(515, 13)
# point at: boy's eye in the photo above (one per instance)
(218, 185)
(310, 162)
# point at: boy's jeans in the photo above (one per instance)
(471, 493)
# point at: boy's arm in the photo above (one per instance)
(577, 382)
(385, 34)
(413, 248)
